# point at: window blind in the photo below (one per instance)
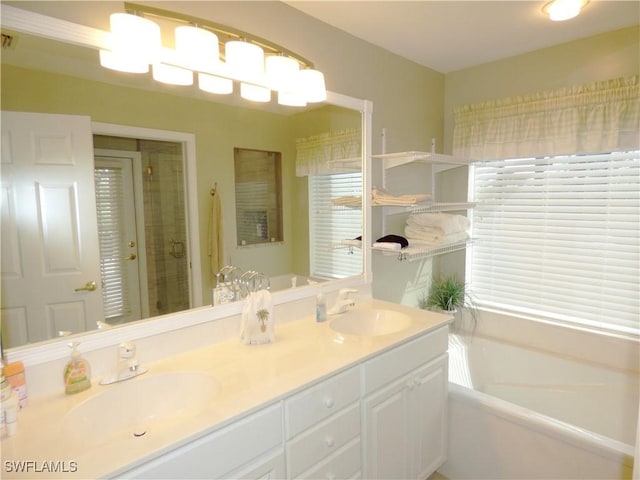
(110, 206)
(329, 225)
(559, 238)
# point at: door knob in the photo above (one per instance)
(89, 287)
(131, 257)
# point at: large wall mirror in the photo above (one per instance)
(43, 76)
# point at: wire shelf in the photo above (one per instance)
(410, 254)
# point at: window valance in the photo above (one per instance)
(329, 152)
(601, 116)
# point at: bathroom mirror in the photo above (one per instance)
(42, 75)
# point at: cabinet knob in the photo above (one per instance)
(329, 442)
(410, 385)
(328, 402)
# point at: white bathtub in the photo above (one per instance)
(520, 413)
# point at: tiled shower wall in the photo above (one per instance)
(165, 227)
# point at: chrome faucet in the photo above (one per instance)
(127, 366)
(343, 302)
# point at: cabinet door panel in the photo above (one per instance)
(430, 418)
(385, 433)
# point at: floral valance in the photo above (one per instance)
(329, 152)
(595, 117)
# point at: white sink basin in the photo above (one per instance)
(370, 322)
(136, 407)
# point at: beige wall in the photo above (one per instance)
(600, 57)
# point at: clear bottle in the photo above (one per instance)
(321, 308)
(5, 394)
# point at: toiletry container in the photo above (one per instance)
(5, 392)
(8, 409)
(14, 373)
(321, 307)
(77, 372)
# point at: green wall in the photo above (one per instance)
(217, 128)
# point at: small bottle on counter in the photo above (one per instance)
(11, 414)
(14, 373)
(77, 372)
(321, 308)
(8, 409)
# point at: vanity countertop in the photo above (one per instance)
(248, 377)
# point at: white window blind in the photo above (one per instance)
(110, 206)
(559, 238)
(329, 225)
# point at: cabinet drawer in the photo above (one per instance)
(320, 401)
(345, 463)
(393, 364)
(313, 445)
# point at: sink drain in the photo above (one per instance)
(139, 433)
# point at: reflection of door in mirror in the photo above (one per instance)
(258, 185)
(50, 260)
(142, 242)
(117, 208)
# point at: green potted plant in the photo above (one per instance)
(448, 294)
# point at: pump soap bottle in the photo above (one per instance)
(77, 372)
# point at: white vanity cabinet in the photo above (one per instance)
(251, 447)
(383, 417)
(322, 425)
(404, 409)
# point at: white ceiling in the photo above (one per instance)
(451, 35)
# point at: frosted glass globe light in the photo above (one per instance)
(197, 48)
(134, 43)
(244, 60)
(172, 75)
(282, 73)
(560, 10)
(214, 84)
(312, 85)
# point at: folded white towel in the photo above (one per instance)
(433, 242)
(383, 197)
(352, 243)
(387, 246)
(347, 201)
(448, 223)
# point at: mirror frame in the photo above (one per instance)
(33, 354)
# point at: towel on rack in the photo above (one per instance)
(380, 196)
(347, 201)
(391, 242)
(432, 242)
(216, 236)
(257, 319)
(444, 222)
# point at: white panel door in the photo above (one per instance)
(49, 230)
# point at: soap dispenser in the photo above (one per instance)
(77, 372)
